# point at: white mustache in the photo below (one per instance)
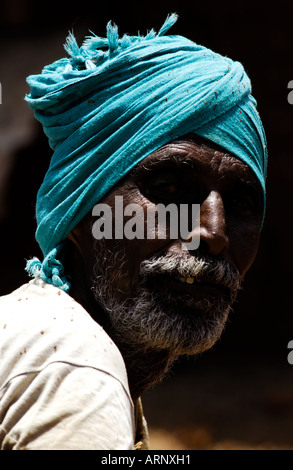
(203, 268)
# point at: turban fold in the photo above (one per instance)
(114, 101)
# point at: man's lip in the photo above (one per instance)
(200, 290)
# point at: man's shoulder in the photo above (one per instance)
(34, 294)
(39, 304)
(40, 324)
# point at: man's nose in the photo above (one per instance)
(213, 236)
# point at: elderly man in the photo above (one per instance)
(149, 120)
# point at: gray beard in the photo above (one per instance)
(157, 319)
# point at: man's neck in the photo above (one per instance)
(144, 367)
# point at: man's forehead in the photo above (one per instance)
(193, 152)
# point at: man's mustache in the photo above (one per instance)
(201, 267)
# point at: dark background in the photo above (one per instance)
(242, 390)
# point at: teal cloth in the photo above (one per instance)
(112, 102)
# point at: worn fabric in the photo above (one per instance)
(114, 101)
(63, 383)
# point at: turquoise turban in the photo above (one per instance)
(114, 101)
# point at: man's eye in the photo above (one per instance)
(244, 201)
(244, 206)
(162, 188)
(165, 186)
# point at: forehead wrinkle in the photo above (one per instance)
(198, 156)
(163, 158)
(242, 170)
(182, 151)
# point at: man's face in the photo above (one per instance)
(158, 294)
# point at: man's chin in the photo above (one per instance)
(196, 330)
(182, 327)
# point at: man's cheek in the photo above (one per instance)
(244, 257)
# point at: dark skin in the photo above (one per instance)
(188, 170)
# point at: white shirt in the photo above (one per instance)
(63, 382)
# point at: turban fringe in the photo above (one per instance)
(105, 110)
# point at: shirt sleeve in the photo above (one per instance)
(65, 407)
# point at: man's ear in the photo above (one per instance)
(72, 237)
(73, 240)
(80, 238)
(76, 237)
(80, 232)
